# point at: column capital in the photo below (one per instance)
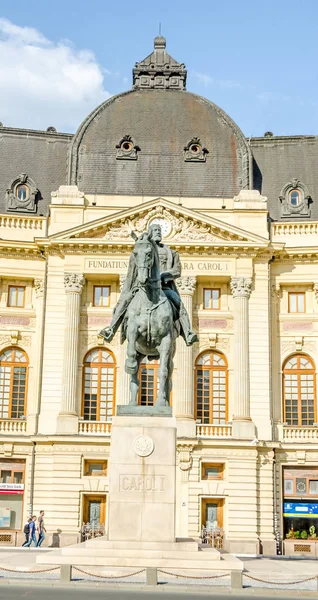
(241, 287)
(74, 283)
(39, 287)
(186, 285)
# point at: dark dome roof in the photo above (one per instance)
(161, 123)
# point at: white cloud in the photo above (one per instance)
(207, 80)
(44, 83)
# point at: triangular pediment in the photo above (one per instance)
(181, 226)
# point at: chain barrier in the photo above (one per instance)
(194, 576)
(26, 572)
(281, 582)
(109, 576)
(29, 570)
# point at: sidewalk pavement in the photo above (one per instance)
(278, 572)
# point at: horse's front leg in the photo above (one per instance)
(164, 371)
(131, 364)
(135, 383)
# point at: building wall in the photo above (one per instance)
(54, 441)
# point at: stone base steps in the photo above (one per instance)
(163, 555)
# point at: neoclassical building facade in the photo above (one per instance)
(242, 214)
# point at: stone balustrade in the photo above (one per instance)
(214, 431)
(13, 426)
(94, 428)
(19, 222)
(299, 434)
(309, 228)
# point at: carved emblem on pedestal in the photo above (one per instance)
(143, 445)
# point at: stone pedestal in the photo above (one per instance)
(142, 479)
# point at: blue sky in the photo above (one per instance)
(257, 60)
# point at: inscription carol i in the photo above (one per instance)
(142, 483)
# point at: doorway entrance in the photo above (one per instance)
(212, 513)
(94, 515)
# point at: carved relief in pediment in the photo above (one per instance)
(179, 228)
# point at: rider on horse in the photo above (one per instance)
(170, 269)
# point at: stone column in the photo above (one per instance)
(34, 400)
(242, 424)
(68, 418)
(183, 405)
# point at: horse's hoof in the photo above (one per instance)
(131, 367)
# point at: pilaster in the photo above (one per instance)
(32, 415)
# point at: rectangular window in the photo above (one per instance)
(313, 486)
(101, 295)
(212, 471)
(296, 302)
(16, 296)
(95, 468)
(211, 298)
(289, 486)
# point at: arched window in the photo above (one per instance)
(295, 197)
(99, 385)
(13, 383)
(211, 388)
(22, 192)
(149, 382)
(299, 388)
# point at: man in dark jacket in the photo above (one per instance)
(32, 536)
(26, 531)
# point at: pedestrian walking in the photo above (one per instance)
(26, 531)
(41, 529)
(32, 536)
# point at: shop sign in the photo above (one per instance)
(300, 509)
(11, 488)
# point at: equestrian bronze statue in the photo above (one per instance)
(150, 311)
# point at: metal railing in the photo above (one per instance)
(212, 537)
(91, 530)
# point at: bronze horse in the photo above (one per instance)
(149, 322)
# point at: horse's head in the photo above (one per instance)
(144, 255)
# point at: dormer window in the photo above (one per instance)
(22, 194)
(295, 199)
(194, 151)
(127, 149)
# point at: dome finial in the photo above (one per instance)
(160, 41)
